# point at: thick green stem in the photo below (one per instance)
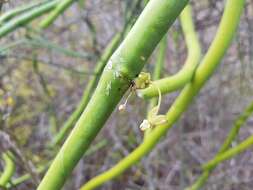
(124, 65)
(211, 60)
(109, 49)
(156, 75)
(185, 75)
(26, 17)
(227, 143)
(9, 169)
(68, 125)
(59, 9)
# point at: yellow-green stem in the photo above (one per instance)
(185, 75)
(9, 169)
(208, 65)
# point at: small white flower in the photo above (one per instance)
(145, 125)
(122, 107)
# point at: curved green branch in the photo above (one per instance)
(208, 65)
(185, 75)
(26, 17)
(59, 9)
(9, 169)
(227, 143)
(124, 65)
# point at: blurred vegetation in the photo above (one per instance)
(45, 72)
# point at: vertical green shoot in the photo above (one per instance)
(124, 65)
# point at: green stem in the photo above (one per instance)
(227, 143)
(9, 169)
(25, 177)
(59, 9)
(185, 75)
(229, 153)
(161, 57)
(26, 17)
(14, 12)
(93, 80)
(113, 44)
(124, 65)
(41, 169)
(211, 60)
(235, 130)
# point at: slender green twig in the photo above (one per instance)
(42, 42)
(185, 75)
(59, 9)
(209, 63)
(7, 47)
(21, 9)
(229, 153)
(26, 17)
(37, 41)
(124, 65)
(9, 169)
(227, 143)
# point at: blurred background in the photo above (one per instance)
(37, 97)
